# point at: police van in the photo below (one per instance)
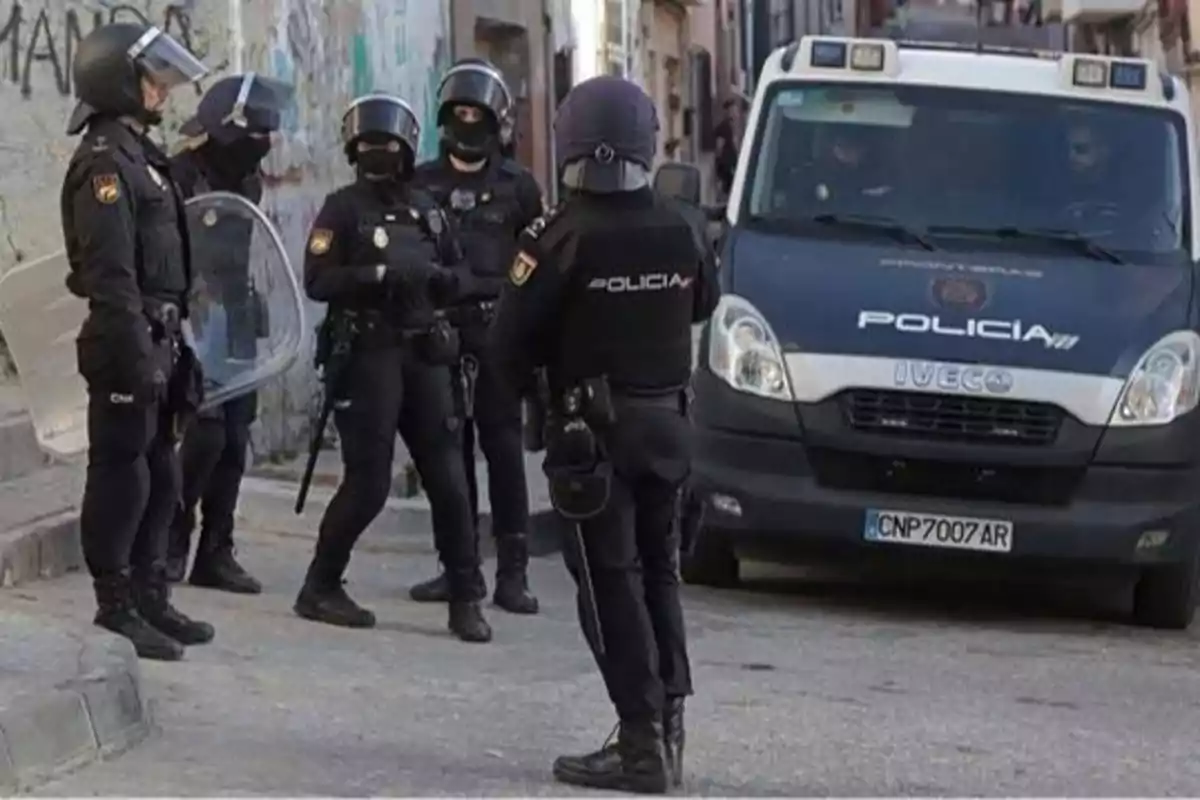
(960, 318)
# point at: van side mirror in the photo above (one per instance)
(679, 182)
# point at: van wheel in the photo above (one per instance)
(712, 561)
(1165, 597)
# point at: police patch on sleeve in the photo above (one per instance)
(319, 241)
(522, 267)
(107, 188)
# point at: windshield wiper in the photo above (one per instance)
(1073, 239)
(894, 228)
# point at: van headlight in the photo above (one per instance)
(743, 350)
(1164, 384)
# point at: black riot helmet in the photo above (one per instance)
(240, 106)
(112, 61)
(477, 83)
(381, 134)
(605, 136)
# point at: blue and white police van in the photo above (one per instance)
(960, 318)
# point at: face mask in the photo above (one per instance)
(380, 164)
(245, 155)
(469, 137)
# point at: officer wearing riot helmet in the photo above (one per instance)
(374, 255)
(492, 198)
(228, 138)
(126, 240)
(610, 328)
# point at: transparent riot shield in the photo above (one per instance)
(247, 319)
(40, 319)
(247, 313)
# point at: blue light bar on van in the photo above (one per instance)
(828, 54)
(1127, 75)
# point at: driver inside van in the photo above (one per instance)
(847, 171)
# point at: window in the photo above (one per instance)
(613, 24)
(782, 22)
(965, 163)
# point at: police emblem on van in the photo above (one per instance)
(965, 293)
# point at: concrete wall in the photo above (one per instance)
(330, 49)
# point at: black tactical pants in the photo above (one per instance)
(213, 461)
(497, 429)
(385, 390)
(132, 485)
(633, 559)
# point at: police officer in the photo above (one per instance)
(126, 239)
(228, 138)
(612, 327)
(492, 199)
(371, 258)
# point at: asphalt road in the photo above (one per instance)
(824, 686)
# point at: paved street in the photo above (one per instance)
(819, 687)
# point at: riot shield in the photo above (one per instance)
(40, 320)
(247, 313)
(247, 319)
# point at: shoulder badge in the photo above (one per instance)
(522, 267)
(319, 241)
(107, 188)
(536, 228)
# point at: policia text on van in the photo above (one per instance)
(959, 317)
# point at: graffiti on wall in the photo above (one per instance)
(403, 48)
(37, 41)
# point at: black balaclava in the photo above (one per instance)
(233, 162)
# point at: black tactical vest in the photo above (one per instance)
(629, 309)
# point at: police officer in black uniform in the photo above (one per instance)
(227, 141)
(126, 240)
(611, 325)
(492, 198)
(374, 255)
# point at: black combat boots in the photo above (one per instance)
(467, 622)
(216, 568)
(323, 599)
(633, 763)
(152, 594)
(434, 590)
(512, 584)
(116, 612)
(673, 739)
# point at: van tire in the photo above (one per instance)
(1165, 597)
(712, 561)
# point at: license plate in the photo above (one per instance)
(934, 530)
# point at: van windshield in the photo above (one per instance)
(964, 162)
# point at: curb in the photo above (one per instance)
(98, 713)
(46, 548)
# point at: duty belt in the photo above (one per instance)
(374, 331)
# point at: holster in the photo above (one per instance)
(439, 346)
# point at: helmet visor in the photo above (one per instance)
(381, 116)
(165, 61)
(478, 85)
